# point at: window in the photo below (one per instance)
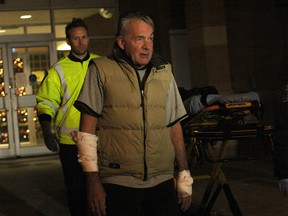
(38, 22)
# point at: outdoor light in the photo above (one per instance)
(27, 16)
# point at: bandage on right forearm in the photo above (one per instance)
(87, 151)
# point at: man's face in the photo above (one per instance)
(78, 41)
(138, 42)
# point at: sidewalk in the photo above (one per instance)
(32, 186)
(253, 186)
(35, 187)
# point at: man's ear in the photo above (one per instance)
(67, 41)
(120, 42)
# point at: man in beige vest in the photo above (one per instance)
(130, 112)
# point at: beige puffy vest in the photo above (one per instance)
(133, 136)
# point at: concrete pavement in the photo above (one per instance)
(35, 187)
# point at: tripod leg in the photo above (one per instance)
(211, 202)
(231, 200)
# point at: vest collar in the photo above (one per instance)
(75, 59)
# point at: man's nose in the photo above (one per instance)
(147, 44)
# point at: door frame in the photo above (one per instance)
(11, 101)
(8, 150)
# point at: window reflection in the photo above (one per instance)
(104, 20)
(3, 128)
(29, 66)
(39, 22)
(2, 90)
(30, 133)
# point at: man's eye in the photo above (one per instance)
(138, 40)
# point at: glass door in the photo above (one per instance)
(7, 144)
(21, 72)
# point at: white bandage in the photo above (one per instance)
(184, 184)
(87, 151)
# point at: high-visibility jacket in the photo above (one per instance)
(58, 91)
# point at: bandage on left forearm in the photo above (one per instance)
(87, 151)
(184, 183)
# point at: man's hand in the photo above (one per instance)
(283, 186)
(51, 141)
(95, 194)
(184, 189)
(185, 203)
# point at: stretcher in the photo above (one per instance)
(222, 123)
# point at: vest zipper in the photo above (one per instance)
(143, 115)
(141, 86)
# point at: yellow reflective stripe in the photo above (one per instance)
(49, 104)
(66, 95)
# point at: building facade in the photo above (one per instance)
(235, 45)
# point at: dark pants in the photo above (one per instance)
(160, 200)
(74, 180)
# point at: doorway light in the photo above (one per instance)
(63, 46)
(105, 13)
(26, 16)
(2, 30)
